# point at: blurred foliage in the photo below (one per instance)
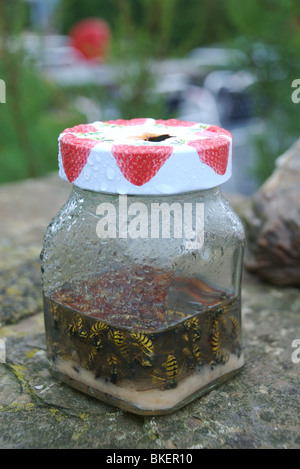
(171, 27)
(267, 31)
(35, 110)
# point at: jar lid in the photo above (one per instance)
(145, 156)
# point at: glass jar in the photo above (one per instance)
(141, 290)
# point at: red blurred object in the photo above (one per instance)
(91, 37)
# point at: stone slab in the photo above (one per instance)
(259, 408)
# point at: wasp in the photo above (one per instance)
(215, 342)
(189, 358)
(171, 367)
(97, 342)
(146, 363)
(170, 374)
(185, 337)
(91, 358)
(218, 312)
(197, 353)
(192, 323)
(144, 342)
(216, 318)
(71, 328)
(77, 328)
(118, 337)
(220, 357)
(213, 326)
(57, 350)
(98, 327)
(196, 335)
(96, 331)
(235, 326)
(81, 330)
(113, 363)
(172, 315)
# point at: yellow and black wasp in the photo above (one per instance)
(56, 350)
(71, 328)
(82, 332)
(91, 358)
(171, 367)
(169, 374)
(113, 364)
(119, 339)
(189, 358)
(220, 357)
(97, 330)
(144, 342)
(197, 353)
(99, 327)
(234, 326)
(215, 319)
(77, 328)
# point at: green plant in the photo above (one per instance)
(268, 32)
(33, 114)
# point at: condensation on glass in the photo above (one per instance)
(142, 292)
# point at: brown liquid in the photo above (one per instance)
(122, 329)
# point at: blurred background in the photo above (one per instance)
(224, 62)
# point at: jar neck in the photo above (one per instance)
(93, 197)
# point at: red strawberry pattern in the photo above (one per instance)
(175, 123)
(213, 152)
(74, 153)
(83, 128)
(213, 149)
(137, 121)
(218, 130)
(139, 164)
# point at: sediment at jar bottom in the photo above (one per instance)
(151, 401)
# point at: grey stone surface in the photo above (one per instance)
(259, 408)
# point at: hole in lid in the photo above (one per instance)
(157, 138)
(150, 137)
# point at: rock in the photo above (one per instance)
(273, 224)
(20, 283)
